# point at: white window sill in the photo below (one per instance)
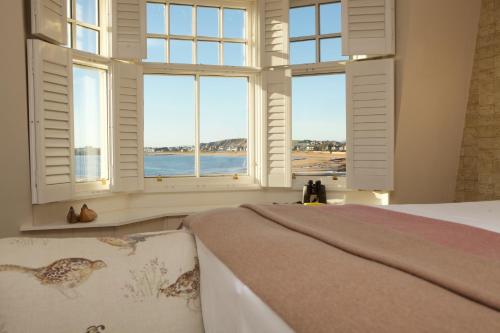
(122, 217)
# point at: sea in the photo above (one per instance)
(87, 167)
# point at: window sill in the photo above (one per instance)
(122, 217)
(203, 184)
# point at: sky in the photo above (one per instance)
(169, 104)
(87, 109)
(318, 102)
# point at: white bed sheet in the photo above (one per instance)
(229, 306)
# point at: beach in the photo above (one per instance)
(311, 161)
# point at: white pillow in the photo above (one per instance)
(137, 283)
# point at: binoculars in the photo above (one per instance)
(314, 192)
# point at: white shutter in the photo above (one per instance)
(128, 146)
(50, 85)
(275, 32)
(368, 27)
(277, 125)
(48, 20)
(370, 124)
(129, 29)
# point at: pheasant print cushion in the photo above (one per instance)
(136, 283)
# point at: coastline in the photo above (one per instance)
(203, 153)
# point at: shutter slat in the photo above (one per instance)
(128, 148)
(129, 29)
(368, 27)
(274, 27)
(48, 19)
(50, 90)
(277, 147)
(370, 124)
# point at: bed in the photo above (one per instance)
(229, 305)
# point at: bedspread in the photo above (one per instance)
(357, 268)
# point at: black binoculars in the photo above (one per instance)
(314, 192)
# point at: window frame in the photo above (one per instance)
(103, 186)
(216, 182)
(317, 37)
(335, 182)
(248, 40)
(101, 28)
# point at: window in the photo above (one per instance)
(90, 122)
(319, 124)
(193, 34)
(85, 26)
(315, 33)
(186, 138)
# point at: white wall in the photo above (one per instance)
(435, 48)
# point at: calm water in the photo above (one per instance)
(179, 165)
(87, 167)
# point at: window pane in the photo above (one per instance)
(156, 50)
(169, 125)
(90, 123)
(86, 11)
(234, 23)
(223, 125)
(87, 39)
(318, 124)
(181, 20)
(181, 51)
(302, 21)
(207, 22)
(234, 54)
(303, 52)
(330, 18)
(331, 49)
(208, 53)
(156, 18)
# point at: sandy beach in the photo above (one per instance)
(318, 161)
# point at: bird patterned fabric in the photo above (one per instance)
(90, 285)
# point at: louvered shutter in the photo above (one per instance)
(129, 29)
(128, 147)
(48, 20)
(51, 121)
(370, 124)
(275, 32)
(277, 119)
(368, 27)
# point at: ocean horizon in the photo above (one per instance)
(87, 167)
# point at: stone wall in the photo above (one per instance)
(479, 168)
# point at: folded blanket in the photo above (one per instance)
(358, 269)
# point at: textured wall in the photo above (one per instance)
(435, 43)
(479, 168)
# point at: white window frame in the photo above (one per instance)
(248, 6)
(333, 182)
(250, 71)
(317, 37)
(100, 187)
(101, 28)
(216, 182)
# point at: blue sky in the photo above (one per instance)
(318, 102)
(170, 110)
